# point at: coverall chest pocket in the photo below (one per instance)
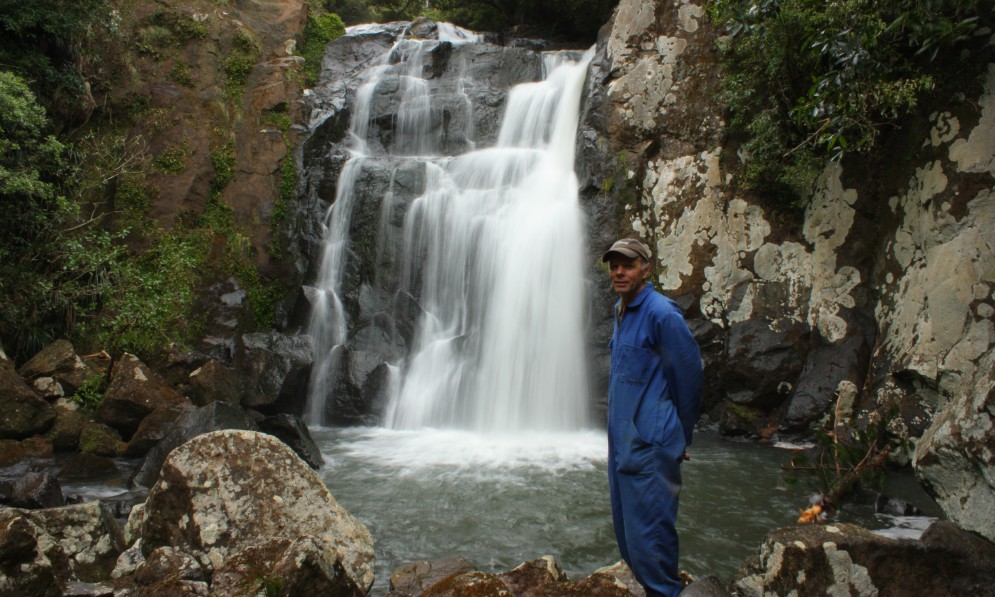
(636, 364)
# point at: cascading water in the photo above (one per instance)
(492, 253)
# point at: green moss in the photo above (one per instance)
(172, 160)
(223, 159)
(181, 74)
(89, 395)
(239, 64)
(320, 29)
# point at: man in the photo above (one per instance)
(654, 397)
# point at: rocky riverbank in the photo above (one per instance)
(234, 504)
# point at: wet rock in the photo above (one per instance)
(470, 583)
(99, 439)
(225, 491)
(274, 368)
(36, 490)
(23, 412)
(710, 586)
(87, 533)
(411, 580)
(539, 575)
(954, 459)
(19, 453)
(88, 466)
(31, 562)
(617, 576)
(60, 362)
(155, 427)
(133, 393)
(213, 381)
(213, 417)
(826, 368)
(291, 430)
(849, 560)
(304, 566)
(68, 426)
(763, 363)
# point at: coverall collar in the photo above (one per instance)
(643, 293)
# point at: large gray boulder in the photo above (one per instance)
(843, 559)
(227, 491)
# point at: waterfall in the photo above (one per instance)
(492, 253)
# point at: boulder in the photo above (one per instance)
(618, 574)
(88, 466)
(212, 417)
(31, 562)
(542, 576)
(225, 491)
(48, 388)
(955, 461)
(60, 362)
(23, 412)
(763, 363)
(213, 381)
(155, 427)
(13, 453)
(412, 579)
(87, 533)
(67, 427)
(97, 438)
(843, 559)
(166, 564)
(274, 367)
(36, 490)
(305, 566)
(291, 430)
(133, 393)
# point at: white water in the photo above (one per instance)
(493, 253)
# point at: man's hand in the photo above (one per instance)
(685, 456)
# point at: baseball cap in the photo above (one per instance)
(629, 247)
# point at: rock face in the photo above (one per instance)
(468, 84)
(849, 560)
(209, 503)
(879, 298)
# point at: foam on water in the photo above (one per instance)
(429, 452)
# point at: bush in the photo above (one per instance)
(53, 263)
(809, 81)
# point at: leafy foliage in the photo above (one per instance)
(808, 80)
(53, 262)
(848, 455)
(46, 44)
(571, 19)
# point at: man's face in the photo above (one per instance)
(627, 275)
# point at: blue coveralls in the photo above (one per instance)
(654, 398)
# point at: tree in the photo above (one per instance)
(51, 260)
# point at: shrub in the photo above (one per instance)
(809, 81)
